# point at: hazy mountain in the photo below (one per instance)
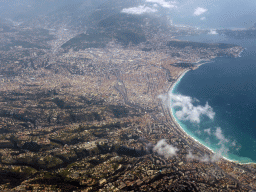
(95, 23)
(198, 13)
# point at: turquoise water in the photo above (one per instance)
(229, 86)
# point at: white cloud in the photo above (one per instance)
(208, 141)
(164, 3)
(220, 136)
(223, 142)
(233, 143)
(222, 151)
(164, 149)
(208, 131)
(185, 108)
(191, 157)
(165, 100)
(205, 159)
(200, 11)
(139, 10)
(203, 18)
(213, 32)
(217, 155)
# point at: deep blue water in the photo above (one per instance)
(229, 86)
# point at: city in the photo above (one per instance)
(87, 117)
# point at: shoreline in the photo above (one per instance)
(185, 134)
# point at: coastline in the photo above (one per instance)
(185, 134)
(201, 62)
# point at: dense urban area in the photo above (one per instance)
(80, 111)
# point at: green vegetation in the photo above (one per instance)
(72, 165)
(49, 162)
(126, 36)
(84, 41)
(183, 65)
(67, 157)
(64, 173)
(59, 181)
(23, 171)
(115, 166)
(124, 28)
(121, 21)
(28, 171)
(119, 111)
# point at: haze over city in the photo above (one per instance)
(127, 95)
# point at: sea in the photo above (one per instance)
(228, 85)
